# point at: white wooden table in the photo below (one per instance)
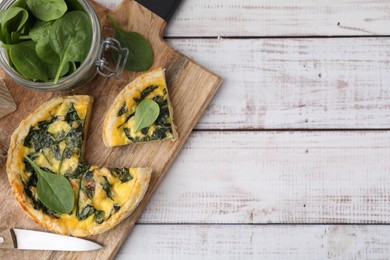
(292, 158)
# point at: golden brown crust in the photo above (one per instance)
(110, 118)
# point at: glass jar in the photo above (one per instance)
(94, 62)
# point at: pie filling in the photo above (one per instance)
(55, 145)
(120, 122)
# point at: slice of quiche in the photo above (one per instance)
(119, 123)
(53, 138)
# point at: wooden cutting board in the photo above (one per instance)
(191, 88)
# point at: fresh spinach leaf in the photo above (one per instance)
(74, 5)
(40, 30)
(140, 56)
(45, 52)
(53, 190)
(15, 37)
(71, 38)
(47, 10)
(146, 113)
(29, 188)
(19, 3)
(25, 59)
(40, 34)
(61, 162)
(27, 62)
(12, 19)
(72, 67)
(52, 68)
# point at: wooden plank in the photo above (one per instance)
(277, 177)
(256, 242)
(185, 79)
(278, 18)
(296, 83)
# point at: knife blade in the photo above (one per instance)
(164, 9)
(37, 240)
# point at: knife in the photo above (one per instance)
(164, 9)
(15, 238)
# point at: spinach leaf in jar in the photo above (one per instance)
(74, 5)
(40, 30)
(19, 3)
(12, 19)
(29, 65)
(71, 38)
(40, 34)
(47, 10)
(27, 62)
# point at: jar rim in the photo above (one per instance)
(71, 79)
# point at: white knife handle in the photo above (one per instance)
(7, 238)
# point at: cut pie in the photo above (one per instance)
(119, 123)
(53, 137)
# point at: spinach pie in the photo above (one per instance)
(53, 139)
(120, 123)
